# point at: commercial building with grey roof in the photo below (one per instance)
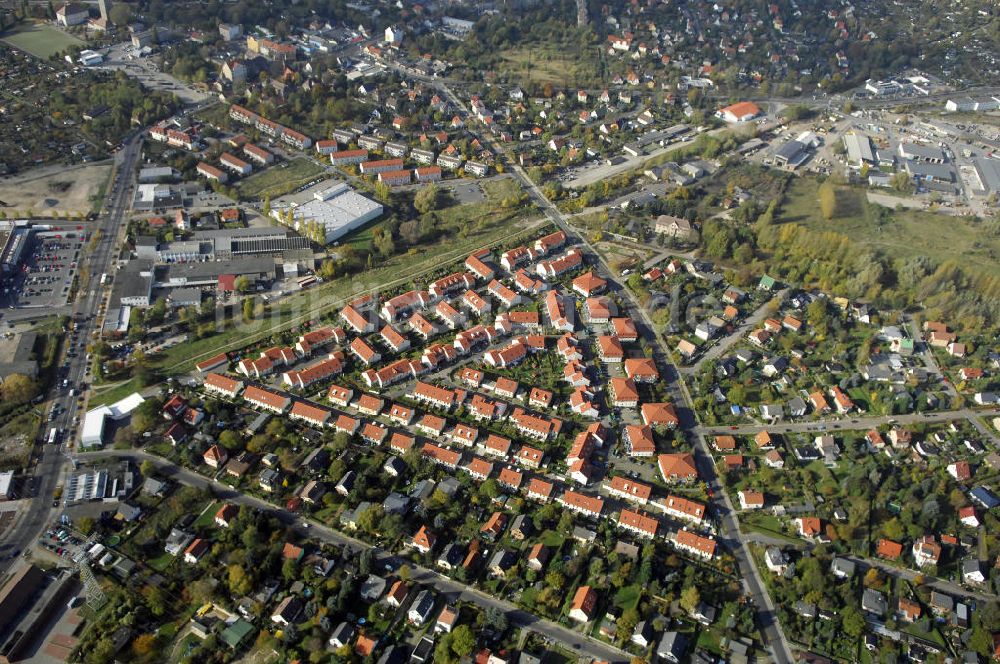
(792, 154)
(988, 172)
(859, 149)
(923, 153)
(133, 284)
(207, 273)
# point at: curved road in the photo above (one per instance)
(730, 534)
(451, 589)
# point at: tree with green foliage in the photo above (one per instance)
(690, 598)
(120, 14)
(463, 641)
(495, 618)
(426, 199)
(852, 621)
(18, 389)
(145, 416)
(902, 182)
(231, 440)
(827, 200)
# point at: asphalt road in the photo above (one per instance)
(450, 589)
(51, 461)
(934, 582)
(729, 532)
(849, 424)
(743, 328)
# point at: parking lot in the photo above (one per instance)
(468, 192)
(127, 58)
(47, 273)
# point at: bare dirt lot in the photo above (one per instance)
(53, 191)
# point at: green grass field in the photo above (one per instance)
(40, 40)
(207, 516)
(279, 179)
(469, 227)
(906, 233)
(113, 393)
(628, 597)
(566, 65)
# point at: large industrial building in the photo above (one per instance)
(337, 209)
(207, 273)
(225, 243)
(988, 172)
(13, 240)
(109, 484)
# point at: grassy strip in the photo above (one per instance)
(40, 40)
(306, 305)
(279, 179)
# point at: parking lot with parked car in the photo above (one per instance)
(46, 274)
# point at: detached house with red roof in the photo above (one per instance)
(677, 467)
(926, 551)
(810, 527)
(216, 456)
(424, 540)
(589, 284)
(364, 352)
(642, 369)
(225, 515)
(843, 402)
(610, 349)
(639, 440)
(584, 605)
(659, 414)
(624, 328)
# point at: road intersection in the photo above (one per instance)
(449, 588)
(52, 459)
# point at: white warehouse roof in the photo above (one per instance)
(93, 422)
(339, 209)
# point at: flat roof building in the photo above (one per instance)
(338, 210)
(151, 197)
(158, 174)
(207, 273)
(92, 433)
(988, 172)
(133, 284)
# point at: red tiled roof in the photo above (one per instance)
(636, 520)
(888, 549)
(692, 540)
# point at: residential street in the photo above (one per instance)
(863, 422)
(453, 590)
(942, 585)
(730, 534)
(742, 329)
